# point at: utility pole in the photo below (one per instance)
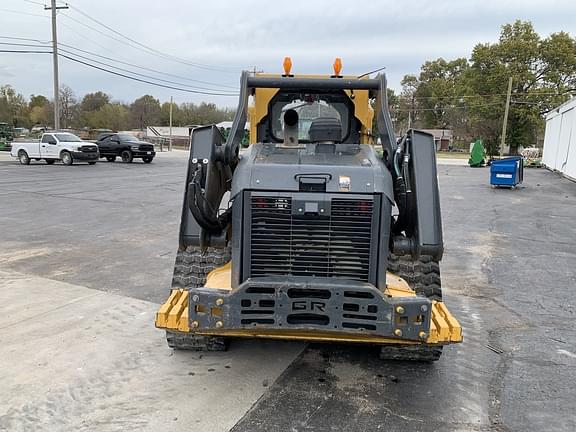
(505, 124)
(54, 8)
(412, 108)
(170, 144)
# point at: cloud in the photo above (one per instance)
(5, 73)
(259, 33)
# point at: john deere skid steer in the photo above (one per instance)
(321, 230)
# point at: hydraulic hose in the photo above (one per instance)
(201, 209)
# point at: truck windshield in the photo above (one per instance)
(127, 137)
(67, 137)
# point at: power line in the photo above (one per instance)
(98, 31)
(149, 69)
(122, 41)
(24, 39)
(145, 81)
(109, 65)
(184, 61)
(448, 108)
(154, 51)
(83, 36)
(139, 45)
(218, 86)
(23, 13)
(25, 51)
(24, 45)
(22, 51)
(34, 2)
(138, 73)
(486, 95)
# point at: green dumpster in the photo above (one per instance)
(477, 154)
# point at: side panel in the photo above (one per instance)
(239, 215)
(202, 144)
(424, 181)
(384, 241)
(33, 149)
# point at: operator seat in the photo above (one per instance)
(325, 130)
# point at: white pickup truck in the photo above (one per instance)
(54, 146)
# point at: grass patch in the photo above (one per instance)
(452, 155)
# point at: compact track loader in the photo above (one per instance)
(323, 229)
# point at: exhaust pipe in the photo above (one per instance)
(290, 128)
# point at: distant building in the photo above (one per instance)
(442, 138)
(228, 125)
(559, 153)
(164, 131)
(160, 135)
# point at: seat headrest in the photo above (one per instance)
(325, 129)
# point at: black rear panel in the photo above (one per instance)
(328, 236)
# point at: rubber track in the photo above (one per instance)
(423, 276)
(193, 265)
(190, 271)
(189, 342)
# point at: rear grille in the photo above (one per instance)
(325, 246)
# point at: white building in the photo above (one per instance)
(559, 152)
(228, 125)
(164, 131)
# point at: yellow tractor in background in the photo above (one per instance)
(323, 229)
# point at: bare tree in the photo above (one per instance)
(68, 106)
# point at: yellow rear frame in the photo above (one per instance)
(173, 316)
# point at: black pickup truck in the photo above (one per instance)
(126, 146)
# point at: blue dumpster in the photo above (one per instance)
(507, 172)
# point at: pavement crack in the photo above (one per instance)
(44, 194)
(403, 417)
(537, 240)
(306, 422)
(495, 390)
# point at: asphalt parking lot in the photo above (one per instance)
(86, 254)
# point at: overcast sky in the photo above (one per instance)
(222, 37)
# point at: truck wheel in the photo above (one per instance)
(127, 156)
(423, 276)
(66, 158)
(49, 161)
(147, 159)
(110, 158)
(23, 158)
(190, 271)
